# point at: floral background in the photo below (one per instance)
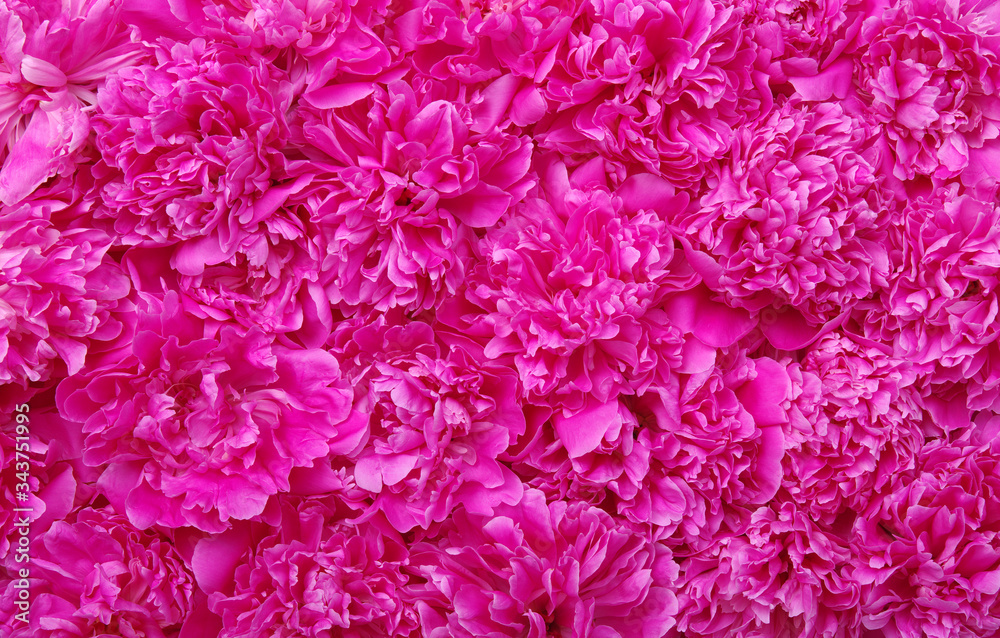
(571, 318)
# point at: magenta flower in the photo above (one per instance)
(315, 575)
(55, 56)
(197, 427)
(271, 280)
(860, 426)
(416, 177)
(812, 42)
(440, 416)
(929, 74)
(570, 287)
(97, 575)
(786, 576)
(58, 294)
(537, 569)
(715, 447)
(659, 86)
(928, 556)
(942, 299)
(791, 218)
(192, 143)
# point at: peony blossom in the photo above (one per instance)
(197, 427)
(191, 142)
(440, 416)
(929, 73)
(415, 177)
(315, 575)
(59, 292)
(860, 425)
(537, 569)
(95, 574)
(942, 299)
(714, 444)
(785, 576)
(658, 86)
(790, 219)
(928, 557)
(570, 287)
(55, 57)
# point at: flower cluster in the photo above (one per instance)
(433, 318)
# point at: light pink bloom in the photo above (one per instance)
(193, 426)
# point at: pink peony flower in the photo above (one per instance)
(786, 576)
(416, 176)
(538, 569)
(96, 575)
(192, 141)
(790, 219)
(58, 293)
(42, 450)
(657, 85)
(929, 73)
(860, 426)
(194, 426)
(715, 446)
(314, 575)
(940, 309)
(928, 554)
(570, 287)
(440, 415)
(812, 43)
(271, 280)
(55, 55)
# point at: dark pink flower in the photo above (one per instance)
(440, 415)
(860, 425)
(194, 426)
(55, 55)
(416, 176)
(929, 73)
(714, 442)
(97, 575)
(659, 86)
(928, 554)
(538, 569)
(941, 307)
(786, 576)
(791, 217)
(58, 291)
(571, 286)
(313, 574)
(192, 143)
